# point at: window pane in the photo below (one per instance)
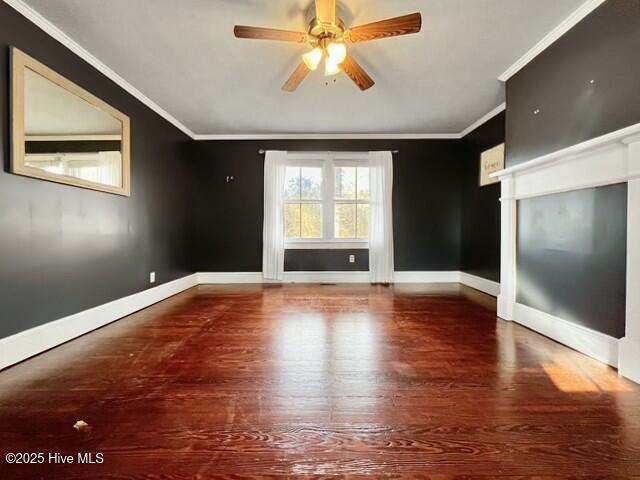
(292, 220)
(363, 221)
(292, 184)
(363, 183)
(345, 183)
(345, 220)
(311, 220)
(311, 181)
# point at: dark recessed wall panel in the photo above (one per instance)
(426, 197)
(604, 48)
(572, 256)
(64, 249)
(300, 260)
(480, 248)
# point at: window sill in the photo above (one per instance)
(326, 245)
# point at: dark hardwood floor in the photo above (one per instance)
(248, 381)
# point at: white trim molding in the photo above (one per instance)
(482, 284)
(329, 136)
(36, 340)
(590, 342)
(219, 278)
(327, 277)
(427, 277)
(449, 276)
(605, 160)
(567, 24)
(484, 119)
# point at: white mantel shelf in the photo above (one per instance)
(624, 136)
(605, 160)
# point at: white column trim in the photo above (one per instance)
(630, 345)
(605, 160)
(508, 209)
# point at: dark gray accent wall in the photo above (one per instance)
(65, 249)
(603, 47)
(572, 256)
(571, 247)
(426, 203)
(480, 248)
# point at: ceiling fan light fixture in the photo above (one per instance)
(330, 67)
(337, 52)
(313, 58)
(326, 37)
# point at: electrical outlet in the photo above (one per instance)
(352, 259)
(152, 277)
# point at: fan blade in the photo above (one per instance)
(296, 78)
(326, 11)
(392, 27)
(261, 33)
(356, 73)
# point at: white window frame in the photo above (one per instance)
(328, 161)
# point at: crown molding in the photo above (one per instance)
(482, 120)
(360, 136)
(332, 136)
(25, 10)
(45, 25)
(567, 24)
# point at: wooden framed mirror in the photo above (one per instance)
(63, 133)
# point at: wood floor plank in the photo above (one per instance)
(351, 381)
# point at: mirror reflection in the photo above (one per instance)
(66, 135)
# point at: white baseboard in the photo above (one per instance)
(629, 359)
(427, 277)
(215, 278)
(36, 340)
(328, 277)
(487, 286)
(453, 276)
(594, 344)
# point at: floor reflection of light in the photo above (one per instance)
(302, 355)
(600, 374)
(354, 340)
(569, 380)
(507, 352)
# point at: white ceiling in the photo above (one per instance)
(52, 110)
(182, 55)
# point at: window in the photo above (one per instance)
(303, 202)
(351, 203)
(327, 199)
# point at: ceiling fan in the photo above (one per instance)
(328, 38)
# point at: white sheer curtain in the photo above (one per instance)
(275, 166)
(381, 223)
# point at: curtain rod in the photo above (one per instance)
(262, 151)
